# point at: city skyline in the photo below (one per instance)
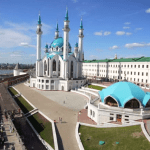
(110, 28)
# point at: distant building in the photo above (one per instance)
(136, 70)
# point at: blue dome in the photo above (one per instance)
(123, 92)
(58, 43)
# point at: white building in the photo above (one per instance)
(136, 70)
(60, 68)
(122, 102)
(18, 70)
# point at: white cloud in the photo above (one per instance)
(28, 27)
(27, 45)
(114, 47)
(101, 33)
(138, 29)
(128, 33)
(136, 45)
(126, 27)
(98, 33)
(107, 33)
(16, 55)
(11, 38)
(148, 10)
(120, 32)
(127, 23)
(74, 1)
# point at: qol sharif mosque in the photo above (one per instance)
(60, 68)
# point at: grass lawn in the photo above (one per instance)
(95, 87)
(23, 104)
(129, 138)
(13, 92)
(43, 127)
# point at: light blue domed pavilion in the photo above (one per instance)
(125, 94)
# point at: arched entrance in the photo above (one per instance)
(45, 67)
(71, 71)
(133, 103)
(148, 104)
(111, 101)
(59, 68)
(54, 65)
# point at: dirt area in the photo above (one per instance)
(137, 134)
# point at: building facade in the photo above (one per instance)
(60, 68)
(136, 70)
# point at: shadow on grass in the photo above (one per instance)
(59, 140)
(23, 108)
(38, 127)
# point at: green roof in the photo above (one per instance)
(139, 59)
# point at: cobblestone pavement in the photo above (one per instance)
(66, 129)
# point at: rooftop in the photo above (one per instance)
(139, 59)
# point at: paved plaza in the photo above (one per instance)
(53, 110)
(70, 100)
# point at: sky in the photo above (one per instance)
(119, 27)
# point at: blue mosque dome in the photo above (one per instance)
(122, 92)
(58, 43)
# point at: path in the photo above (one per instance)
(54, 110)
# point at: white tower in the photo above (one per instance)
(81, 36)
(57, 32)
(39, 33)
(76, 51)
(66, 30)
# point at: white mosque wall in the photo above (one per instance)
(108, 115)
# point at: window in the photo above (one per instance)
(138, 66)
(54, 65)
(130, 79)
(126, 119)
(126, 116)
(131, 66)
(47, 86)
(47, 81)
(146, 66)
(131, 72)
(128, 66)
(146, 81)
(134, 66)
(138, 73)
(76, 81)
(142, 73)
(39, 80)
(39, 85)
(134, 79)
(142, 66)
(134, 73)
(52, 81)
(142, 80)
(146, 73)
(42, 86)
(124, 65)
(138, 80)
(127, 72)
(42, 81)
(93, 114)
(111, 118)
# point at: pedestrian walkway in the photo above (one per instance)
(10, 137)
(66, 129)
